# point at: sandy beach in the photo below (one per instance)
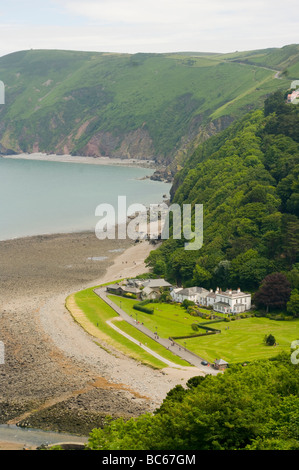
(55, 376)
(82, 159)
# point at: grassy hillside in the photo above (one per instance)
(144, 105)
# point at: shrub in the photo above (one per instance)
(187, 303)
(143, 309)
(130, 296)
(269, 340)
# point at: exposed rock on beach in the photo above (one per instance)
(55, 377)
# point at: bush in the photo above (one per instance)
(269, 340)
(193, 313)
(144, 302)
(143, 309)
(188, 303)
(130, 296)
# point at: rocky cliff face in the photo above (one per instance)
(188, 146)
(135, 144)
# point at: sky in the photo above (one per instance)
(131, 26)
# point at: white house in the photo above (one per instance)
(194, 294)
(293, 97)
(232, 301)
(210, 299)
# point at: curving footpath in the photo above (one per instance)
(150, 351)
(181, 352)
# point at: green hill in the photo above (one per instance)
(246, 177)
(157, 106)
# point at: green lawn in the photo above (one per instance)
(239, 340)
(150, 343)
(242, 340)
(98, 312)
(168, 319)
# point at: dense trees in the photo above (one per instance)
(252, 407)
(247, 179)
(293, 304)
(274, 292)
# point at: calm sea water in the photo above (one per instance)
(41, 197)
(35, 437)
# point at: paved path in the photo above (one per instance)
(153, 353)
(179, 351)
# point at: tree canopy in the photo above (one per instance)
(247, 180)
(247, 407)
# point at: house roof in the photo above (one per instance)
(147, 290)
(132, 290)
(220, 362)
(211, 294)
(176, 289)
(233, 293)
(113, 286)
(193, 290)
(156, 283)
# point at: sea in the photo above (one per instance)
(39, 197)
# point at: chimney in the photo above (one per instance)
(239, 290)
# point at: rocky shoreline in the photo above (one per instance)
(55, 376)
(80, 415)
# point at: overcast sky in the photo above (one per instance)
(147, 25)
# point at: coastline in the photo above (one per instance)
(54, 373)
(110, 161)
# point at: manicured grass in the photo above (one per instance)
(150, 343)
(242, 340)
(98, 312)
(168, 319)
(239, 340)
